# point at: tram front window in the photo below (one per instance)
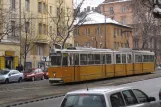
(56, 60)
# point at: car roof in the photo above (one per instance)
(100, 90)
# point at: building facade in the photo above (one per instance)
(118, 10)
(37, 24)
(122, 11)
(99, 32)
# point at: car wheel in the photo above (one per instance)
(33, 78)
(7, 81)
(43, 77)
(20, 79)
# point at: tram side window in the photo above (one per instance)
(97, 58)
(148, 58)
(129, 58)
(103, 59)
(145, 58)
(76, 59)
(138, 58)
(108, 58)
(71, 59)
(151, 58)
(65, 59)
(118, 58)
(123, 58)
(90, 59)
(83, 59)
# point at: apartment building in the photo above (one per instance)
(36, 24)
(101, 32)
(118, 10)
(121, 11)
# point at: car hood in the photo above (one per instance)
(2, 76)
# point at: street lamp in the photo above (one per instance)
(105, 31)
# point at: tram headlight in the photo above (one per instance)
(54, 74)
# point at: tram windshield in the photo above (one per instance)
(59, 59)
(56, 59)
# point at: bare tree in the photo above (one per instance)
(8, 25)
(65, 21)
(144, 22)
(29, 36)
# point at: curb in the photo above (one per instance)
(32, 101)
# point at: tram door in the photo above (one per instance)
(74, 62)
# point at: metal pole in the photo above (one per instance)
(105, 32)
(20, 27)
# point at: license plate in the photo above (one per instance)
(54, 78)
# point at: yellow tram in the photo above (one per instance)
(81, 64)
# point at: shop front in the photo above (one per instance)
(9, 60)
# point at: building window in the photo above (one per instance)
(123, 9)
(123, 19)
(87, 45)
(135, 44)
(58, 11)
(76, 44)
(27, 27)
(98, 30)
(122, 45)
(114, 45)
(40, 50)
(87, 31)
(13, 4)
(40, 7)
(40, 28)
(50, 9)
(44, 28)
(118, 44)
(115, 32)
(44, 8)
(13, 23)
(111, 10)
(27, 5)
(50, 29)
(76, 32)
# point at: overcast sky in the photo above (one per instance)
(90, 2)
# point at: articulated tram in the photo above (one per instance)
(82, 64)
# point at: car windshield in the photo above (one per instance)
(4, 72)
(84, 100)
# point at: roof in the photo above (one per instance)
(100, 90)
(95, 50)
(118, 1)
(97, 18)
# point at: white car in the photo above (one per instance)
(109, 97)
(7, 76)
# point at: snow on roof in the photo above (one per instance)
(97, 18)
(115, 1)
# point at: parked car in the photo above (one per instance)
(33, 74)
(7, 76)
(45, 73)
(109, 97)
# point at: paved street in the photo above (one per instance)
(17, 93)
(147, 86)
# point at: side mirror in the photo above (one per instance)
(9, 74)
(152, 99)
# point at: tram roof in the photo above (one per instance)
(95, 50)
